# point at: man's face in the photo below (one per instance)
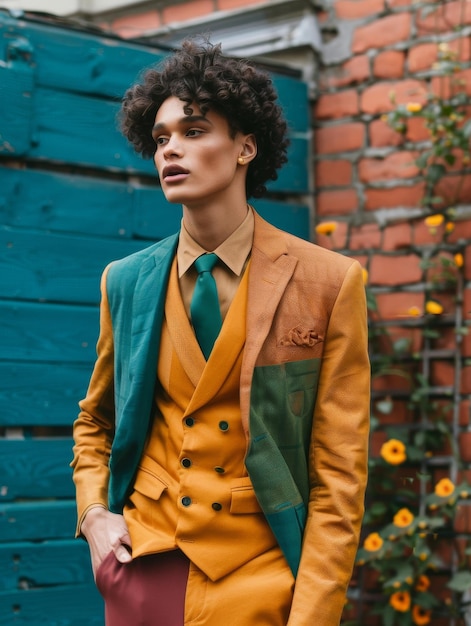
(196, 157)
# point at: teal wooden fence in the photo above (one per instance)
(73, 196)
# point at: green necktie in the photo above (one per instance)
(204, 308)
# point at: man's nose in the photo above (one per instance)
(173, 146)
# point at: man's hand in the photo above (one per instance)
(106, 532)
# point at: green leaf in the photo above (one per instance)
(422, 160)
(466, 129)
(460, 582)
(435, 172)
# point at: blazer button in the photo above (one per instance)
(216, 506)
(186, 501)
(223, 425)
(186, 462)
(219, 470)
(189, 421)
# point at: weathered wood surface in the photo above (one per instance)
(38, 394)
(35, 468)
(37, 520)
(67, 91)
(59, 605)
(47, 333)
(27, 565)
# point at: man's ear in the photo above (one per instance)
(249, 148)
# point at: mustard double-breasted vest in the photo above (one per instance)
(192, 489)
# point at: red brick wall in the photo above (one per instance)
(171, 12)
(366, 178)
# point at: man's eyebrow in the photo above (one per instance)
(187, 119)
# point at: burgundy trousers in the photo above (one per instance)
(148, 591)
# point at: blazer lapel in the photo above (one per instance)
(271, 270)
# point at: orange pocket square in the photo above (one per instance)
(299, 336)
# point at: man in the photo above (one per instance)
(220, 453)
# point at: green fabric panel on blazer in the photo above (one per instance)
(281, 413)
(136, 288)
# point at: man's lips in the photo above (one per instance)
(174, 172)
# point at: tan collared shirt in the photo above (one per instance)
(233, 253)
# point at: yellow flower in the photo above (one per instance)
(433, 308)
(393, 452)
(458, 259)
(373, 542)
(403, 518)
(444, 488)
(423, 583)
(409, 580)
(414, 311)
(464, 494)
(422, 524)
(396, 584)
(449, 227)
(326, 228)
(433, 221)
(413, 107)
(421, 616)
(443, 47)
(365, 275)
(400, 601)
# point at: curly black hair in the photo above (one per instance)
(199, 74)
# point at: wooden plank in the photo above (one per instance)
(27, 565)
(80, 61)
(294, 98)
(35, 468)
(82, 131)
(16, 122)
(64, 605)
(47, 333)
(294, 175)
(51, 267)
(149, 210)
(294, 218)
(33, 520)
(57, 139)
(65, 202)
(32, 394)
(98, 207)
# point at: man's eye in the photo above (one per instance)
(194, 132)
(160, 141)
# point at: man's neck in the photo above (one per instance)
(210, 226)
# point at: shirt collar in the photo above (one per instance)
(233, 252)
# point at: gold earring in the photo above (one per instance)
(241, 161)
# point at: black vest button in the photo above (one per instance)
(223, 425)
(189, 421)
(219, 470)
(186, 501)
(216, 506)
(186, 462)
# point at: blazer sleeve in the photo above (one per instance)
(338, 462)
(94, 428)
